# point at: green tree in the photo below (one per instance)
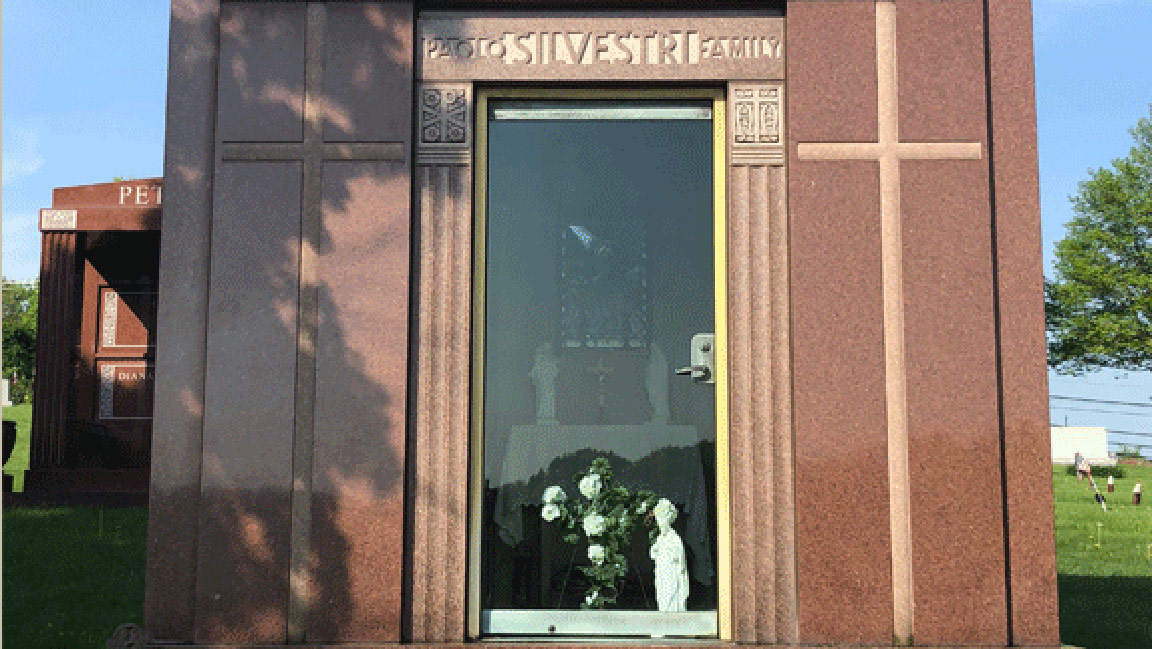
(1099, 305)
(20, 306)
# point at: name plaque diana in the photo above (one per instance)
(605, 46)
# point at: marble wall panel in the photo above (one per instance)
(843, 552)
(368, 59)
(953, 415)
(181, 321)
(261, 72)
(953, 420)
(1032, 610)
(241, 581)
(361, 391)
(831, 65)
(940, 59)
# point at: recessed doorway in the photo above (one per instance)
(598, 344)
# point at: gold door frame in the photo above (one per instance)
(720, 271)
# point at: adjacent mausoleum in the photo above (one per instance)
(771, 269)
(96, 341)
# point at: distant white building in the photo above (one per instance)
(1089, 441)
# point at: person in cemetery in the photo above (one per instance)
(1083, 468)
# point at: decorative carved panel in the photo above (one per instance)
(127, 319)
(445, 125)
(57, 219)
(108, 319)
(756, 123)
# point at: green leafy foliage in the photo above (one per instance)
(1099, 306)
(1099, 471)
(1129, 452)
(20, 305)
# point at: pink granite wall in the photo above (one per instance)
(278, 480)
(277, 491)
(843, 566)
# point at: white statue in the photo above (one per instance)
(657, 383)
(543, 375)
(671, 564)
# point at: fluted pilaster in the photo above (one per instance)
(760, 416)
(55, 339)
(440, 486)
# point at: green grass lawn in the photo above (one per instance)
(22, 415)
(71, 575)
(1104, 561)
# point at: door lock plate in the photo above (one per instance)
(703, 357)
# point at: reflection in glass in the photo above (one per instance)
(599, 270)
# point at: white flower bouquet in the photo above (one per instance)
(606, 520)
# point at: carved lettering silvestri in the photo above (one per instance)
(622, 47)
(583, 46)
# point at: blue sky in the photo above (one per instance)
(1093, 81)
(84, 88)
(83, 102)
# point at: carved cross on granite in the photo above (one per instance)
(312, 152)
(888, 152)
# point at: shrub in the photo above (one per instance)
(1130, 452)
(1099, 471)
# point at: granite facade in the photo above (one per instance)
(311, 455)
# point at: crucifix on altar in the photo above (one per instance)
(601, 371)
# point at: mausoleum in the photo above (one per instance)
(592, 321)
(92, 414)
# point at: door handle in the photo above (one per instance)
(698, 372)
(703, 355)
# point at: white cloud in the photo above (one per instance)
(21, 154)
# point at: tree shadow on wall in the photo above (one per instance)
(238, 585)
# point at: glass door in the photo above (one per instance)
(598, 362)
